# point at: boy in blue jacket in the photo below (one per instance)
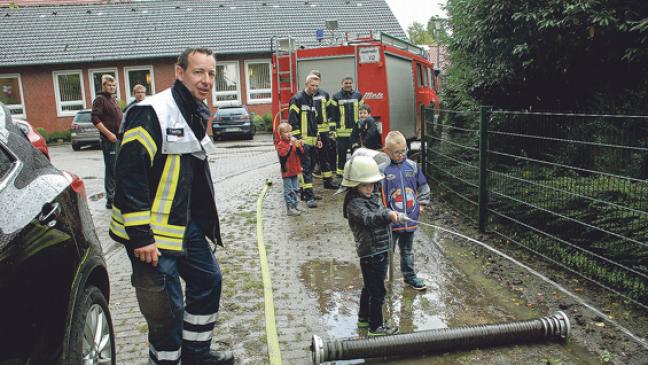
(405, 190)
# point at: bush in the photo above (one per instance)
(259, 123)
(42, 132)
(267, 120)
(55, 136)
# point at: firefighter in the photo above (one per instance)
(163, 211)
(345, 106)
(302, 117)
(326, 155)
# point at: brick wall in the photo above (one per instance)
(40, 102)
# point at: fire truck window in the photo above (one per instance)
(419, 73)
(426, 80)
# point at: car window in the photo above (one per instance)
(230, 111)
(83, 118)
(7, 162)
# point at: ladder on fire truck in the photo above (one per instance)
(285, 70)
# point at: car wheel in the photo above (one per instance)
(92, 338)
(76, 146)
(250, 136)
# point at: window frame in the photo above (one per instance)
(127, 87)
(215, 93)
(57, 95)
(22, 97)
(93, 71)
(251, 101)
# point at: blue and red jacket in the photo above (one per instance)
(405, 189)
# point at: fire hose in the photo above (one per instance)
(554, 327)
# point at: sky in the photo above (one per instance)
(410, 11)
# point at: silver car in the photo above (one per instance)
(82, 131)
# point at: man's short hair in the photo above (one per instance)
(183, 59)
(316, 73)
(138, 88)
(394, 137)
(365, 107)
(347, 77)
(311, 77)
(106, 79)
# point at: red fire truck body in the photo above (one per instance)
(394, 77)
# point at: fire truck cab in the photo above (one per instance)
(394, 76)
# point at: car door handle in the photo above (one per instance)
(49, 213)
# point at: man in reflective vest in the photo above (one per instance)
(163, 210)
(345, 105)
(302, 117)
(325, 155)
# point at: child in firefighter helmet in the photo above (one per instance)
(369, 221)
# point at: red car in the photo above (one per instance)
(36, 139)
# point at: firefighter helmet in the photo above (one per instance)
(361, 170)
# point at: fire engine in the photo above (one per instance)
(394, 76)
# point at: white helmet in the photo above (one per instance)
(361, 170)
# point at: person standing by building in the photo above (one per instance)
(164, 210)
(107, 116)
(139, 93)
(325, 155)
(303, 120)
(345, 105)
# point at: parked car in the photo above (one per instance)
(82, 131)
(233, 120)
(37, 140)
(54, 286)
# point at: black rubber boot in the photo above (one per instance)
(212, 358)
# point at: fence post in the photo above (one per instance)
(485, 114)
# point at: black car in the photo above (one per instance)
(54, 285)
(232, 120)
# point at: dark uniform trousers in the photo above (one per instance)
(308, 161)
(343, 145)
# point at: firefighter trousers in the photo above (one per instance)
(308, 160)
(176, 329)
(343, 147)
(327, 157)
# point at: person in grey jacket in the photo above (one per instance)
(369, 222)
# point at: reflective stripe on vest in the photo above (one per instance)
(140, 135)
(167, 236)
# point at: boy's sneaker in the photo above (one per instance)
(299, 208)
(293, 212)
(363, 323)
(416, 284)
(311, 203)
(383, 331)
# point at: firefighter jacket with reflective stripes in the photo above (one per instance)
(303, 118)
(345, 105)
(321, 105)
(162, 176)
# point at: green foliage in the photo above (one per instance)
(258, 122)
(559, 55)
(418, 34)
(267, 120)
(55, 136)
(42, 132)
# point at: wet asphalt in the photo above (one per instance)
(315, 274)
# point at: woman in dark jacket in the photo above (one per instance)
(369, 222)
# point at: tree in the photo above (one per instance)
(560, 55)
(418, 34)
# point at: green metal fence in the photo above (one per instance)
(570, 188)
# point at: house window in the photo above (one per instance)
(95, 80)
(227, 83)
(11, 94)
(258, 81)
(69, 93)
(142, 75)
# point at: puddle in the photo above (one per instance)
(337, 286)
